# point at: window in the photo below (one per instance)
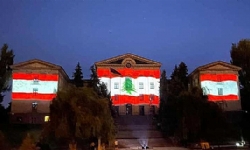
(46, 118)
(141, 97)
(116, 97)
(140, 85)
(34, 106)
(152, 86)
(35, 81)
(151, 98)
(35, 90)
(116, 85)
(220, 91)
(54, 91)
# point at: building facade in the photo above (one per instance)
(34, 85)
(219, 81)
(133, 82)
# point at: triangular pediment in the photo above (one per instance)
(35, 63)
(121, 58)
(216, 66)
(219, 65)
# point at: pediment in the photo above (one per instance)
(35, 63)
(128, 57)
(216, 66)
(219, 65)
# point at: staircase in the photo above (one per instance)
(134, 131)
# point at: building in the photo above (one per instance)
(219, 81)
(133, 82)
(34, 85)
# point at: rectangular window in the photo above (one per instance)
(116, 97)
(35, 90)
(35, 81)
(46, 118)
(220, 91)
(141, 97)
(151, 97)
(116, 85)
(140, 85)
(152, 86)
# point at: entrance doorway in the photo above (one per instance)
(128, 109)
(152, 110)
(141, 110)
(116, 110)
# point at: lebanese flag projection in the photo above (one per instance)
(31, 86)
(131, 86)
(220, 87)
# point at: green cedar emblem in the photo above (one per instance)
(128, 86)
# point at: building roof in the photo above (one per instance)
(120, 59)
(39, 64)
(214, 66)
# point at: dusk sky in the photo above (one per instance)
(65, 32)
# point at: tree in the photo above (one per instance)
(179, 79)
(6, 59)
(240, 56)
(95, 82)
(163, 92)
(188, 114)
(78, 76)
(28, 143)
(163, 85)
(182, 74)
(80, 113)
(3, 144)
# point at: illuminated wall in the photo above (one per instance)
(31, 86)
(132, 86)
(220, 87)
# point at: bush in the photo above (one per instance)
(3, 144)
(28, 143)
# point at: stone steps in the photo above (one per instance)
(132, 131)
(155, 142)
(134, 120)
(135, 127)
(136, 134)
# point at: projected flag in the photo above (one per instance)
(132, 86)
(219, 87)
(31, 86)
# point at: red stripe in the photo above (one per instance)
(105, 72)
(223, 98)
(218, 77)
(32, 76)
(32, 96)
(136, 100)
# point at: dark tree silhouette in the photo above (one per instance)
(95, 82)
(187, 114)
(80, 113)
(240, 56)
(6, 60)
(78, 76)
(182, 74)
(163, 92)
